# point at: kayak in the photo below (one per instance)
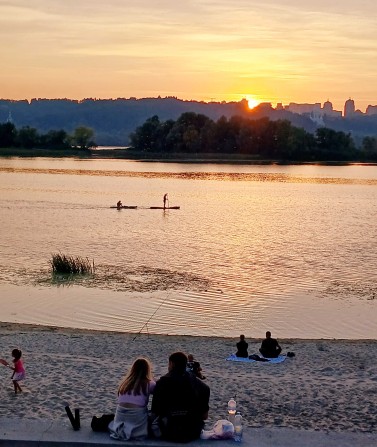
(128, 207)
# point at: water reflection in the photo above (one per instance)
(216, 176)
(292, 249)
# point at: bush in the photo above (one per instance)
(71, 265)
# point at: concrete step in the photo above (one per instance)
(59, 433)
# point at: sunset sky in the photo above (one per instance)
(272, 50)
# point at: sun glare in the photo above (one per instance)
(252, 102)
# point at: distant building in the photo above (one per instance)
(371, 110)
(349, 108)
(300, 109)
(327, 107)
(265, 106)
(317, 117)
(314, 111)
(329, 111)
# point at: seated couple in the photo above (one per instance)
(179, 404)
(270, 347)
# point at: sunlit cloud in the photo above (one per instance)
(302, 49)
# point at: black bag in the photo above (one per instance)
(101, 424)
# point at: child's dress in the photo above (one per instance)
(19, 370)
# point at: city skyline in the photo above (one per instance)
(304, 107)
(280, 52)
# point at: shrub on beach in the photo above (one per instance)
(71, 264)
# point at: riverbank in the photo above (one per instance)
(127, 154)
(330, 385)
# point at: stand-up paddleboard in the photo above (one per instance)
(166, 208)
(134, 207)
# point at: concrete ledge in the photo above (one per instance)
(59, 433)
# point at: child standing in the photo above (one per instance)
(18, 370)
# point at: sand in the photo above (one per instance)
(330, 385)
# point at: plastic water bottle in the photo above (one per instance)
(238, 427)
(232, 405)
(232, 410)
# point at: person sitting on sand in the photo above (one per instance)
(270, 347)
(131, 417)
(242, 346)
(194, 367)
(180, 402)
(119, 205)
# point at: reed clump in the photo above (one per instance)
(71, 265)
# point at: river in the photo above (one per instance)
(291, 249)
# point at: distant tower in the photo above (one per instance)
(349, 108)
(10, 119)
(327, 107)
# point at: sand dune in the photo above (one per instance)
(329, 385)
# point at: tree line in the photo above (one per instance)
(114, 119)
(262, 138)
(29, 138)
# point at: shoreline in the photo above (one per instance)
(35, 327)
(205, 158)
(330, 385)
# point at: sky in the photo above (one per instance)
(302, 51)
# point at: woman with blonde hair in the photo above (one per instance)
(131, 417)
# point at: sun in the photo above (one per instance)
(252, 102)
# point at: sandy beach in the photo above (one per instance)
(330, 385)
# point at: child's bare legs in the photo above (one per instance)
(16, 386)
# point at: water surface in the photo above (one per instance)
(287, 248)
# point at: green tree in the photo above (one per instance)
(28, 137)
(55, 139)
(82, 137)
(8, 135)
(145, 138)
(334, 145)
(369, 147)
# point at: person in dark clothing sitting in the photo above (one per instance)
(194, 367)
(270, 347)
(180, 402)
(242, 346)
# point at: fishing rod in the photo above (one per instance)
(150, 318)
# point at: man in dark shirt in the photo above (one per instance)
(242, 346)
(180, 400)
(270, 347)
